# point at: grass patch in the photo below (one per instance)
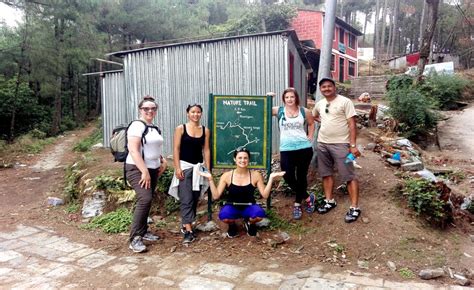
(406, 273)
(113, 222)
(86, 144)
(73, 207)
(279, 223)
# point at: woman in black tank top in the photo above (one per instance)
(190, 148)
(240, 185)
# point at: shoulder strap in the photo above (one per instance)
(303, 113)
(184, 129)
(280, 114)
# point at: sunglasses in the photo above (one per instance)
(148, 109)
(327, 108)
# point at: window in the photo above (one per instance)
(333, 62)
(341, 35)
(352, 41)
(352, 66)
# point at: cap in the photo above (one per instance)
(326, 79)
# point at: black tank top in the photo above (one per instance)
(241, 193)
(191, 147)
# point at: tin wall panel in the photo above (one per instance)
(186, 74)
(114, 104)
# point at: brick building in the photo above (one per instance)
(309, 28)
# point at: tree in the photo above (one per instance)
(432, 6)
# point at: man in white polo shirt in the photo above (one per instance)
(336, 140)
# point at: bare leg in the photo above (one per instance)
(353, 188)
(328, 184)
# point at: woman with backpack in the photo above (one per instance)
(296, 148)
(191, 152)
(143, 166)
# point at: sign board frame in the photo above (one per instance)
(264, 106)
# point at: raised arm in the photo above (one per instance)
(266, 189)
(216, 191)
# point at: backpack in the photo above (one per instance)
(281, 113)
(118, 140)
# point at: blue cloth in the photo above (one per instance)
(233, 212)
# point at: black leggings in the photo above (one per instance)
(295, 164)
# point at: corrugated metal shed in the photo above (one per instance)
(186, 73)
(114, 106)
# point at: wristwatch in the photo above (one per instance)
(353, 146)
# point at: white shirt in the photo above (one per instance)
(152, 148)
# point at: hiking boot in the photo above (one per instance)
(297, 212)
(352, 215)
(232, 232)
(136, 245)
(188, 237)
(310, 206)
(326, 207)
(148, 236)
(251, 228)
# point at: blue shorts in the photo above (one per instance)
(232, 212)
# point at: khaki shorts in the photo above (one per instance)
(334, 155)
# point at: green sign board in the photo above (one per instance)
(240, 121)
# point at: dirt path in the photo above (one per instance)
(457, 133)
(388, 233)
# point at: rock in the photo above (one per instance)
(93, 206)
(363, 264)
(31, 178)
(426, 174)
(263, 223)
(97, 146)
(404, 143)
(303, 274)
(427, 274)
(55, 201)
(365, 220)
(461, 280)
(370, 146)
(394, 162)
(210, 226)
(391, 265)
(413, 166)
(472, 238)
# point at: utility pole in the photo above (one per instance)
(326, 48)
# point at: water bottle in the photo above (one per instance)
(350, 158)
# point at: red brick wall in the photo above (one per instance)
(308, 25)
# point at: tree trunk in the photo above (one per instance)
(427, 37)
(422, 21)
(382, 37)
(365, 28)
(376, 31)
(394, 27)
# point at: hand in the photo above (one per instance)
(273, 175)
(163, 166)
(355, 151)
(179, 174)
(145, 180)
(317, 119)
(271, 94)
(207, 175)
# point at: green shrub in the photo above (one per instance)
(413, 111)
(406, 273)
(86, 144)
(38, 134)
(444, 90)
(424, 198)
(109, 183)
(164, 181)
(113, 222)
(399, 82)
(72, 177)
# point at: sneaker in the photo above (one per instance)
(352, 215)
(310, 206)
(251, 228)
(137, 245)
(188, 238)
(150, 237)
(327, 207)
(297, 212)
(232, 232)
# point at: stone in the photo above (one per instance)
(413, 166)
(292, 284)
(303, 274)
(393, 162)
(319, 283)
(265, 222)
(266, 278)
(210, 226)
(365, 220)
(391, 265)
(363, 264)
(461, 280)
(472, 238)
(221, 270)
(9, 255)
(197, 282)
(427, 274)
(370, 146)
(95, 260)
(156, 281)
(94, 206)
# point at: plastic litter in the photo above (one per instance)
(426, 174)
